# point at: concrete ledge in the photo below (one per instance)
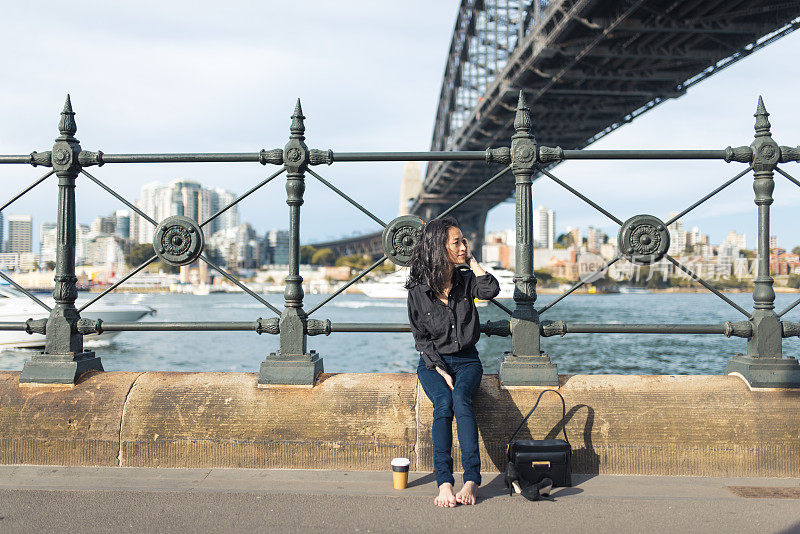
(347, 421)
(645, 425)
(653, 425)
(62, 425)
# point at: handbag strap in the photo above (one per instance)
(563, 416)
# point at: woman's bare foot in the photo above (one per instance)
(468, 494)
(445, 499)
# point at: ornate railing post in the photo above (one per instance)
(63, 359)
(764, 365)
(526, 364)
(292, 364)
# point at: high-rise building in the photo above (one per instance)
(82, 239)
(773, 239)
(49, 236)
(694, 237)
(122, 224)
(2, 225)
(278, 246)
(740, 240)
(182, 197)
(595, 240)
(544, 230)
(151, 202)
(20, 234)
(677, 237)
(190, 199)
(238, 247)
(576, 239)
(230, 219)
(47, 242)
(104, 225)
(410, 186)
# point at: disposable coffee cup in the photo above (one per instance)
(400, 472)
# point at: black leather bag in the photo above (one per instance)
(534, 462)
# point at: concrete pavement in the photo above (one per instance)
(55, 499)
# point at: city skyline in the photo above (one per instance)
(544, 224)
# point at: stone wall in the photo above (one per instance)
(665, 425)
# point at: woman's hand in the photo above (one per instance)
(447, 378)
(473, 263)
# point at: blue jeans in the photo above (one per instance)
(467, 372)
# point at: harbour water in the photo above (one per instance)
(394, 352)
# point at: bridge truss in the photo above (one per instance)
(587, 67)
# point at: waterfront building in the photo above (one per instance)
(544, 228)
(28, 261)
(609, 250)
(196, 273)
(20, 234)
(677, 237)
(575, 236)
(773, 242)
(741, 268)
(47, 242)
(497, 251)
(695, 237)
(595, 240)
(106, 250)
(9, 261)
(589, 265)
(104, 225)
(782, 263)
(238, 247)
(545, 258)
(230, 219)
(122, 223)
(2, 226)
(277, 242)
(150, 202)
(82, 239)
(740, 240)
(499, 248)
(727, 252)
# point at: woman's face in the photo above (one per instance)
(456, 246)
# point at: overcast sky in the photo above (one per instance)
(223, 77)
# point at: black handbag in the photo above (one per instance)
(534, 465)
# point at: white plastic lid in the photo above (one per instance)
(401, 462)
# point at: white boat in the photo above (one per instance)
(389, 286)
(506, 280)
(15, 307)
(633, 290)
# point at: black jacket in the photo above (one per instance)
(445, 329)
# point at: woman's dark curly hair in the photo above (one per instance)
(429, 262)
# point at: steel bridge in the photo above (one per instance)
(587, 67)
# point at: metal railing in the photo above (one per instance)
(178, 240)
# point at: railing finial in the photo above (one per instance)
(297, 128)
(762, 122)
(522, 120)
(66, 125)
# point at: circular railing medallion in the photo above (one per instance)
(178, 240)
(643, 239)
(399, 238)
